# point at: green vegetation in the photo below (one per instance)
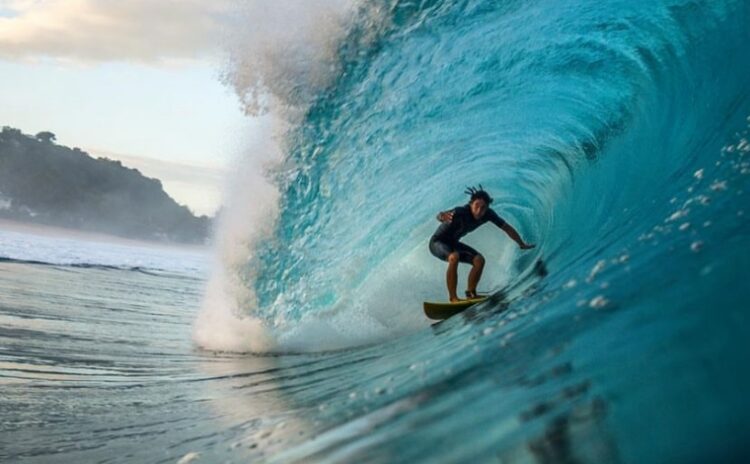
(46, 183)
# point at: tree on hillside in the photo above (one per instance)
(46, 137)
(10, 133)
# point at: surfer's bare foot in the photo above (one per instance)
(470, 294)
(455, 299)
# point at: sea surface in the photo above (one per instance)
(615, 135)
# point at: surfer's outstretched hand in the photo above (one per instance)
(445, 216)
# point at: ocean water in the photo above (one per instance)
(614, 135)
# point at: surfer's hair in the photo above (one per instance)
(478, 194)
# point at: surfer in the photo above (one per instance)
(458, 222)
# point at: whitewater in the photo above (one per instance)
(615, 135)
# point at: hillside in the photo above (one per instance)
(46, 183)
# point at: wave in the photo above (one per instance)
(588, 124)
(77, 265)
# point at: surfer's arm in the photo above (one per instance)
(513, 234)
(445, 216)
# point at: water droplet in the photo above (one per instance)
(598, 267)
(189, 457)
(684, 226)
(570, 284)
(506, 338)
(719, 186)
(696, 246)
(698, 174)
(598, 302)
(677, 215)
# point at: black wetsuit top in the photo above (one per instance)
(463, 222)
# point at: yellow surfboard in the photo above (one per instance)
(439, 311)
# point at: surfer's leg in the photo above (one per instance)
(446, 252)
(451, 276)
(471, 256)
(475, 275)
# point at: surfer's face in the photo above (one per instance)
(478, 208)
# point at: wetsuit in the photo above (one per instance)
(446, 238)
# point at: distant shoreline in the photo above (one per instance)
(32, 228)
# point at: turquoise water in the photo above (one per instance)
(612, 134)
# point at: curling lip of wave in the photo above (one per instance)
(532, 111)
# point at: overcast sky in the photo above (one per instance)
(135, 80)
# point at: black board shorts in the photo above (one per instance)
(441, 250)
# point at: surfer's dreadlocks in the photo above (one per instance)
(478, 193)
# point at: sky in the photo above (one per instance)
(133, 80)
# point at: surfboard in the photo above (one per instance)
(444, 310)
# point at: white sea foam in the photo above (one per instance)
(281, 54)
(224, 322)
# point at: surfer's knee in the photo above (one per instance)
(478, 260)
(453, 258)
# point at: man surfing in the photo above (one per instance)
(458, 222)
